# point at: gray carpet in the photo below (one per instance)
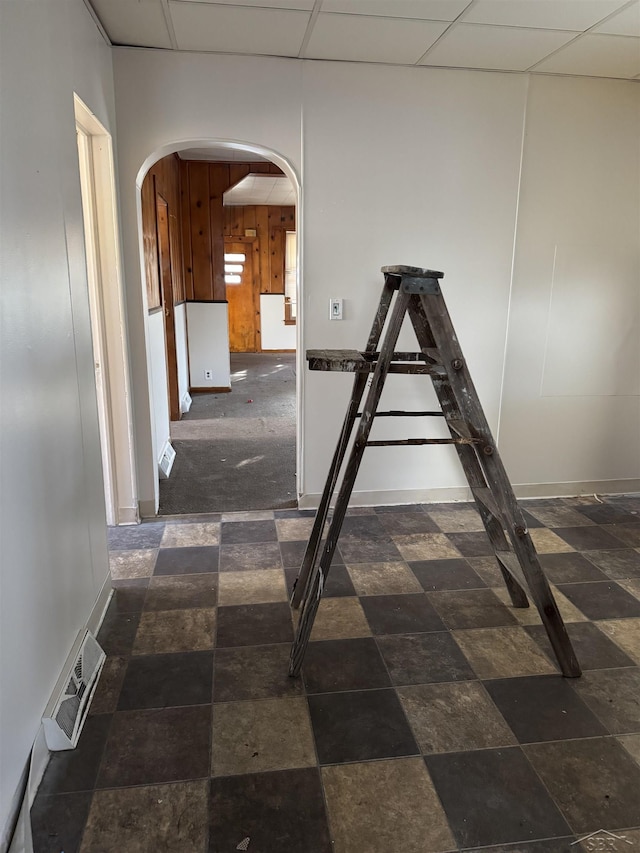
(236, 451)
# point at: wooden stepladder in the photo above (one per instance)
(415, 292)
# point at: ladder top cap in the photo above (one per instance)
(416, 272)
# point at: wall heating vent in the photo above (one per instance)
(166, 461)
(66, 712)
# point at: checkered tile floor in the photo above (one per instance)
(430, 716)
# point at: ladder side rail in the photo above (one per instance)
(466, 455)
(319, 573)
(467, 400)
(359, 384)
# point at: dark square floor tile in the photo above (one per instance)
(57, 822)
(338, 584)
(593, 649)
(293, 553)
(164, 681)
(356, 549)
(588, 538)
(398, 523)
(255, 624)
(471, 608)
(191, 560)
(493, 796)
(601, 600)
(472, 544)
(569, 567)
(151, 746)
(360, 725)
(531, 520)
(594, 781)
(129, 537)
(129, 595)
(182, 592)
(608, 513)
(278, 811)
(295, 513)
(337, 665)
(246, 532)
(622, 563)
(424, 658)
(614, 696)
(364, 527)
(384, 510)
(76, 769)
(627, 533)
(118, 631)
(400, 614)
(105, 698)
(446, 574)
(542, 708)
(254, 672)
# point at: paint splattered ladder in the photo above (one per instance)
(416, 293)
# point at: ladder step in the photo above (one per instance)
(352, 361)
(511, 564)
(414, 441)
(399, 414)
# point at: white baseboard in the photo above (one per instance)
(522, 490)
(127, 515)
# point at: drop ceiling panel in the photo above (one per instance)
(361, 38)
(596, 56)
(546, 14)
(238, 29)
(140, 24)
(624, 23)
(498, 48)
(305, 5)
(258, 189)
(427, 10)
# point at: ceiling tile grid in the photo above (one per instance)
(578, 37)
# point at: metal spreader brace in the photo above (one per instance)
(415, 292)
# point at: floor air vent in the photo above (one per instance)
(66, 712)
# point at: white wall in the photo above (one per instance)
(275, 334)
(54, 556)
(182, 355)
(571, 410)
(418, 166)
(208, 334)
(158, 382)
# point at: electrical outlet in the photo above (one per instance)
(335, 309)
(208, 375)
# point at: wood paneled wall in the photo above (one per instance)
(270, 224)
(164, 179)
(203, 222)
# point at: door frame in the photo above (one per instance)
(108, 320)
(165, 271)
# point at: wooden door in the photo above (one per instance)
(166, 288)
(243, 299)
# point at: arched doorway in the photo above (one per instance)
(198, 252)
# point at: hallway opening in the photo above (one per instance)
(219, 236)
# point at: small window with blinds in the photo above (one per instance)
(233, 267)
(290, 277)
